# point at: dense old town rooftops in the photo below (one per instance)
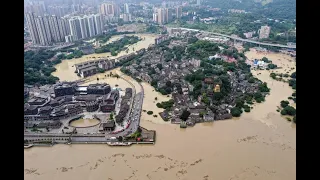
(69, 102)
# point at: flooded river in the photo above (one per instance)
(260, 145)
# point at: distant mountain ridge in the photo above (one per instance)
(277, 9)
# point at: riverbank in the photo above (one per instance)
(287, 65)
(258, 145)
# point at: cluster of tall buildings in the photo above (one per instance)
(37, 7)
(126, 15)
(112, 10)
(85, 26)
(58, 10)
(49, 29)
(109, 9)
(165, 15)
(198, 2)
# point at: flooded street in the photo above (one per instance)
(65, 70)
(149, 104)
(260, 145)
(84, 123)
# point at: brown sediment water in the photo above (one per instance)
(84, 122)
(65, 70)
(260, 145)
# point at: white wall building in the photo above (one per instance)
(31, 24)
(83, 27)
(41, 31)
(98, 24)
(264, 32)
(91, 26)
(68, 39)
(75, 30)
(126, 8)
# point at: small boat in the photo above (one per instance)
(119, 143)
(28, 146)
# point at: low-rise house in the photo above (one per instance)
(86, 98)
(51, 125)
(39, 100)
(107, 126)
(63, 89)
(164, 115)
(208, 117)
(101, 89)
(176, 121)
(92, 106)
(30, 109)
(45, 110)
(88, 71)
(146, 77)
(124, 109)
(64, 111)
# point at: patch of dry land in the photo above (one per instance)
(260, 145)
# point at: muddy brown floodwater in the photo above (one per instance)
(260, 145)
(84, 123)
(65, 70)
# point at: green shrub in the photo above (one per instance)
(290, 110)
(283, 112)
(284, 104)
(236, 112)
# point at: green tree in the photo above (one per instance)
(202, 113)
(159, 105)
(284, 104)
(159, 66)
(263, 87)
(272, 66)
(266, 60)
(251, 80)
(273, 75)
(236, 112)
(185, 114)
(120, 138)
(290, 110)
(283, 112)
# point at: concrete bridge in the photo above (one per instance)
(240, 39)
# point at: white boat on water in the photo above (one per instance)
(119, 143)
(28, 146)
